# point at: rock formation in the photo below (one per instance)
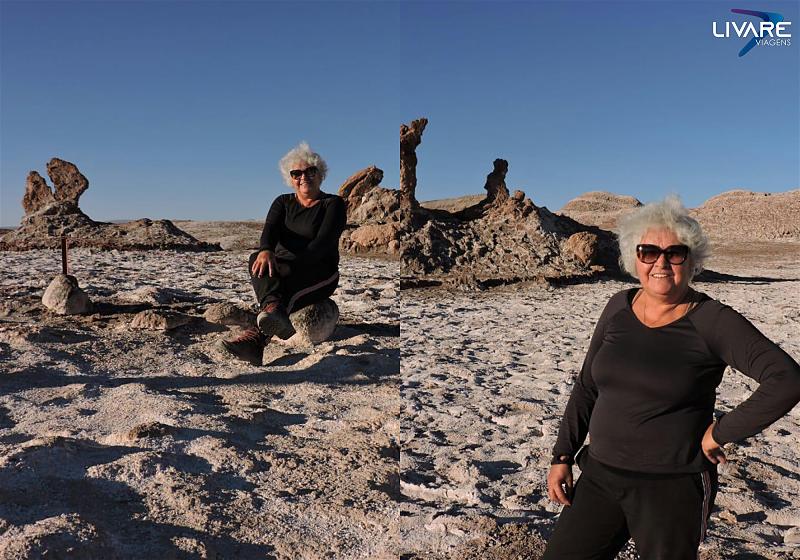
(598, 208)
(50, 214)
(410, 138)
(373, 215)
(503, 238)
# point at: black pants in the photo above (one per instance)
(303, 286)
(665, 514)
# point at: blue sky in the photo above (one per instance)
(182, 109)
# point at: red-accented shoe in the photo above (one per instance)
(248, 346)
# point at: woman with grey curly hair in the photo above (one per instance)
(297, 262)
(646, 394)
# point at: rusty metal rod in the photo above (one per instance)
(64, 268)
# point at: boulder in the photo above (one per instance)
(315, 323)
(64, 296)
(159, 320)
(583, 245)
(381, 237)
(230, 314)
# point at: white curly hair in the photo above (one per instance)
(670, 214)
(301, 154)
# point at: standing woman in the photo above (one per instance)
(297, 262)
(646, 394)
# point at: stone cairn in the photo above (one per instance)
(51, 214)
(502, 239)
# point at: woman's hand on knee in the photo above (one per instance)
(265, 262)
(559, 484)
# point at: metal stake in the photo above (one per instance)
(64, 268)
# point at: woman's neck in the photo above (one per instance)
(306, 201)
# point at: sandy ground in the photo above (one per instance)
(486, 376)
(118, 443)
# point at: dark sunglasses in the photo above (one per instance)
(309, 172)
(648, 254)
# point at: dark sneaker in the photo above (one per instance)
(273, 320)
(249, 346)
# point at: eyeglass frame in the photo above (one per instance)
(309, 172)
(660, 251)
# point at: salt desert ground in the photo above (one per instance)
(118, 442)
(486, 376)
(421, 430)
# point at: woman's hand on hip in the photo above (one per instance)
(712, 450)
(559, 484)
(265, 262)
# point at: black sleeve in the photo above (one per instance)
(575, 422)
(273, 225)
(739, 344)
(327, 240)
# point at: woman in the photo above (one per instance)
(646, 394)
(297, 262)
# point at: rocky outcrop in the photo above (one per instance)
(69, 183)
(751, 216)
(503, 238)
(51, 214)
(598, 208)
(410, 138)
(37, 193)
(373, 215)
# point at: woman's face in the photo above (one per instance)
(662, 279)
(307, 183)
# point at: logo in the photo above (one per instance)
(771, 31)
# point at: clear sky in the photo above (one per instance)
(182, 109)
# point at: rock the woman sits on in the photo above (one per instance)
(297, 263)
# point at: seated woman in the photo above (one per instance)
(646, 396)
(297, 262)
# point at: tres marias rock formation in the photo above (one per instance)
(53, 213)
(503, 238)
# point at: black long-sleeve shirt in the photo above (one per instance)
(305, 236)
(646, 395)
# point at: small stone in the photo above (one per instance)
(229, 314)
(792, 536)
(149, 430)
(64, 296)
(315, 323)
(727, 516)
(159, 320)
